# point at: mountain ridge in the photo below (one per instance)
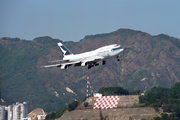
(146, 61)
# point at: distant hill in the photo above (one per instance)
(147, 61)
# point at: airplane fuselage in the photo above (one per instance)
(105, 52)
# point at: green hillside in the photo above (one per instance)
(146, 61)
(155, 97)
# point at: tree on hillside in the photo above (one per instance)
(113, 91)
(73, 105)
(51, 116)
(61, 111)
(166, 98)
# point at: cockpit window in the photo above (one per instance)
(116, 48)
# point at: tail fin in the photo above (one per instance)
(64, 50)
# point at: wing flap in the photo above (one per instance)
(59, 65)
(76, 63)
(59, 61)
(55, 65)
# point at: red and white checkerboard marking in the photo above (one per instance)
(106, 102)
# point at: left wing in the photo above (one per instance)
(62, 64)
(85, 62)
(59, 61)
(55, 65)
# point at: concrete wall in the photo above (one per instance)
(128, 101)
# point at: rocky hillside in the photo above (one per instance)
(111, 114)
(146, 61)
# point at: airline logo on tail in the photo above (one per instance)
(64, 50)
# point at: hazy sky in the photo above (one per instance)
(71, 20)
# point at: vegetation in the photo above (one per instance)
(101, 115)
(118, 91)
(164, 116)
(19, 75)
(155, 58)
(86, 104)
(51, 116)
(73, 105)
(113, 91)
(135, 92)
(124, 32)
(62, 110)
(12, 39)
(156, 97)
(166, 98)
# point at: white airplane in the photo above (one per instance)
(89, 59)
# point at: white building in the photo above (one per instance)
(27, 118)
(2, 113)
(20, 111)
(24, 110)
(97, 95)
(10, 112)
(16, 111)
(41, 117)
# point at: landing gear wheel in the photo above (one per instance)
(118, 58)
(90, 66)
(104, 62)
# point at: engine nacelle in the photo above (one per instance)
(84, 64)
(64, 67)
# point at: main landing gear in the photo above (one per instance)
(103, 62)
(118, 58)
(92, 65)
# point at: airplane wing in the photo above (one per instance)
(55, 65)
(59, 61)
(75, 63)
(62, 64)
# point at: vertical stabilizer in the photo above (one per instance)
(64, 50)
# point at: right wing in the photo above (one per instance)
(55, 65)
(59, 61)
(66, 63)
(62, 64)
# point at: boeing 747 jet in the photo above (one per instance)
(89, 59)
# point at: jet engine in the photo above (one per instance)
(64, 67)
(84, 64)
